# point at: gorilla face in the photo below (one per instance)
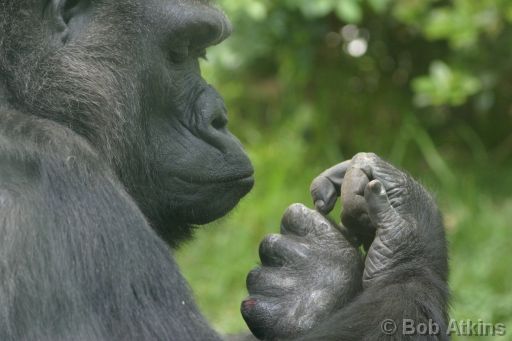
(199, 165)
(125, 75)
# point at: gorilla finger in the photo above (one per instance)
(356, 220)
(378, 169)
(382, 214)
(354, 183)
(260, 314)
(366, 162)
(269, 282)
(279, 250)
(302, 221)
(355, 210)
(326, 187)
(324, 194)
(393, 231)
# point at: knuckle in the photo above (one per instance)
(365, 157)
(294, 215)
(294, 210)
(323, 226)
(357, 158)
(320, 226)
(268, 243)
(364, 161)
(322, 188)
(299, 230)
(315, 185)
(255, 314)
(253, 277)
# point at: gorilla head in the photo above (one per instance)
(125, 76)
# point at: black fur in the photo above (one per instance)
(107, 145)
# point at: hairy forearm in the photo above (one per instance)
(390, 312)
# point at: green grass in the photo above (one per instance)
(477, 214)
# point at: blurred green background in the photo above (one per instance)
(426, 84)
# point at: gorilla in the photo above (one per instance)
(113, 147)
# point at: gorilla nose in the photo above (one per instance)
(210, 106)
(211, 119)
(219, 121)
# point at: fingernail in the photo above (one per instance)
(249, 304)
(320, 204)
(377, 188)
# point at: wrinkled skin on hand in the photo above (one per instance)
(307, 272)
(396, 221)
(386, 210)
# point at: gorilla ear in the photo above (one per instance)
(69, 17)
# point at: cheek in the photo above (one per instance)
(174, 146)
(167, 90)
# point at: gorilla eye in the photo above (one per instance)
(71, 7)
(70, 4)
(180, 54)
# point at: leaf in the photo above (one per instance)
(379, 6)
(349, 11)
(316, 8)
(445, 86)
(256, 10)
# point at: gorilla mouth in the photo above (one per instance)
(224, 180)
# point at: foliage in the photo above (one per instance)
(425, 83)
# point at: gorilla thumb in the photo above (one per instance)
(382, 214)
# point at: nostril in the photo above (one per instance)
(211, 111)
(220, 122)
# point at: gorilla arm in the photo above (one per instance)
(406, 265)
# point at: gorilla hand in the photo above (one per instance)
(387, 209)
(308, 271)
